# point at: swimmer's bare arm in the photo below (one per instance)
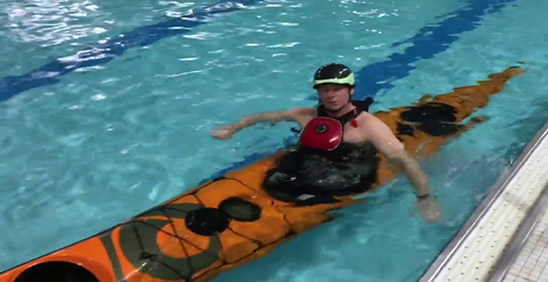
(300, 115)
(378, 133)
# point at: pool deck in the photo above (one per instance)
(506, 238)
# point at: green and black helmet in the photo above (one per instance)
(334, 73)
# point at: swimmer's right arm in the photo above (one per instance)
(297, 114)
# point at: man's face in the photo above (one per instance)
(334, 96)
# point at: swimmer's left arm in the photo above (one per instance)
(380, 135)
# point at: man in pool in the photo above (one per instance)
(337, 146)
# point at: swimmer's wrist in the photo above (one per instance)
(423, 196)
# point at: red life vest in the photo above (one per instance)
(326, 133)
(322, 133)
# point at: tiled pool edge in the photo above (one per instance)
(511, 259)
(474, 252)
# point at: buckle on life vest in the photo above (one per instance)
(322, 133)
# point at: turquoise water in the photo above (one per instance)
(110, 140)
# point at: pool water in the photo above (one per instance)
(106, 109)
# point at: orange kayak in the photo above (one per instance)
(231, 220)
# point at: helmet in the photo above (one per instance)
(334, 73)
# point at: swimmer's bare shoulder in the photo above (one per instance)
(379, 134)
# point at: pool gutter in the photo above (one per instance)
(493, 235)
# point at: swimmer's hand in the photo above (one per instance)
(429, 209)
(223, 133)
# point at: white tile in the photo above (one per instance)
(498, 223)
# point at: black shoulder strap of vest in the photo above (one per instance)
(320, 111)
(364, 105)
(349, 116)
